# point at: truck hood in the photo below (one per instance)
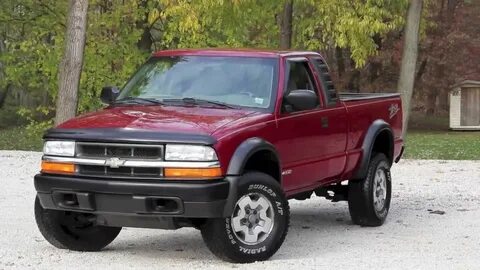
(159, 118)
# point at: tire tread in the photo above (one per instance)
(48, 225)
(360, 201)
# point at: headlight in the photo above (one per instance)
(180, 152)
(59, 148)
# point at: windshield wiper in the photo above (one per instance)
(138, 100)
(199, 101)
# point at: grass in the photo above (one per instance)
(443, 145)
(18, 139)
(421, 144)
(429, 138)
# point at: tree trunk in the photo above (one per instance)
(353, 84)
(430, 102)
(443, 100)
(2, 49)
(4, 94)
(2, 45)
(451, 6)
(340, 61)
(421, 70)
(70, 68)
(409, 59)
(146, 41)
(286, 25)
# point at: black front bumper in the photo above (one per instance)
(114, 199)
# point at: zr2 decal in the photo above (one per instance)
(393, 110)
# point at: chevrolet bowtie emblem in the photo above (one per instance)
(114, 162)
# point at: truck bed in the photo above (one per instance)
(349, 96)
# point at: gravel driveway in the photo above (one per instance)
(434, 223)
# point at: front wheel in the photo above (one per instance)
(258, 225)
(72, 230)
(369, 198)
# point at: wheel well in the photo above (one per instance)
(264, 161)
(384, 144)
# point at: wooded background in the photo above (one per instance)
(362, 41)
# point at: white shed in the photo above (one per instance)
(465, 106)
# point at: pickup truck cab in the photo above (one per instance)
(218, 140)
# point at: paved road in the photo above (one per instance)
(321, 235)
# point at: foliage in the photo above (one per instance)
(121, 34)
(348, 24)
(18, 138)
(216, 23)
(32, 49)
(35, 128)
(34, 33)
(449, 52)
(111, 52)
(364, 36)
(318, 24)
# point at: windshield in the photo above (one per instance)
(238, 81)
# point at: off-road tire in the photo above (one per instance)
(66, 235)
(361, 194)
(222, 241)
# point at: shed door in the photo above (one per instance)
(470, 114)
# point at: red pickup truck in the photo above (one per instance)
(218, 140)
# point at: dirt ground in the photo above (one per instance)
(434, 223)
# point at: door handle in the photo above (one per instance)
(324, 122)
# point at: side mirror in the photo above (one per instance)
(302, 100)
(109, 94)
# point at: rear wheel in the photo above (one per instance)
(369, 198)
(258, 225)
(73, 230)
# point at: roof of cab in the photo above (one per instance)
(233, 52)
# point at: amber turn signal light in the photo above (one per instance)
(193, 172)
(56, 167)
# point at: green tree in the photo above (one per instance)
(121, 34)
(353, 25)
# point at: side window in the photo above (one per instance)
(300, 78)
(326, 81)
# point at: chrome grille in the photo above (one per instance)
(121, 153)
(131, 151)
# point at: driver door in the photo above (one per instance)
(302, 134)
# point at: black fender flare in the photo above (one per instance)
(375, 128)
(237, 164)
(246, 150)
